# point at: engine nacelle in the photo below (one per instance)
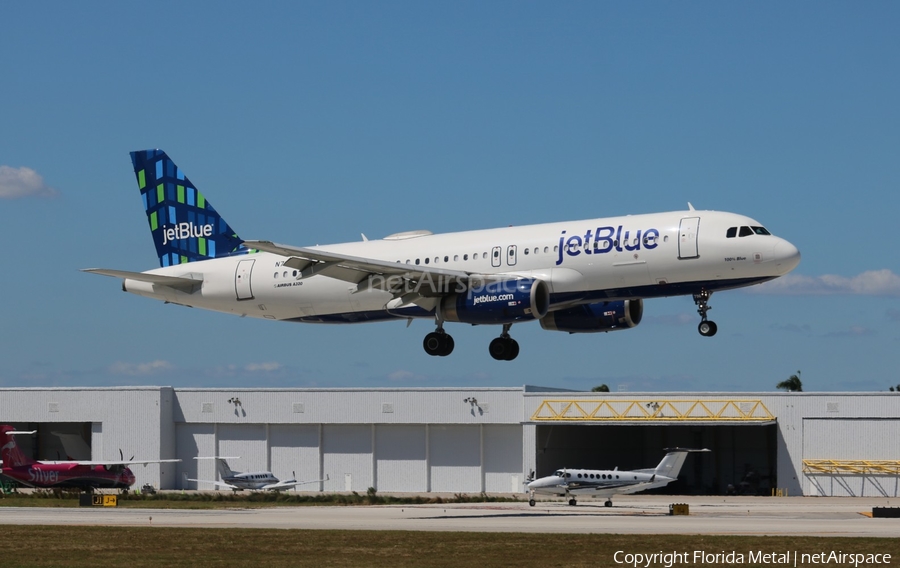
(591, 318)
(506, 301)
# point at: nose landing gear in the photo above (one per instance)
(707, 328)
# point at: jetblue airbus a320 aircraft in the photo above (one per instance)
(576, 276)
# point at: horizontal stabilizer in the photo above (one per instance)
(177, 282)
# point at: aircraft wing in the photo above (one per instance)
(216, 483)
(394, 277)
(178, 282)
(288, 484)
(108, 463)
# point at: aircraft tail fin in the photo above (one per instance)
(184, 225)
(224, 470)
(670, 466)
(11, 454)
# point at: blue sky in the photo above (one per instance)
(310, 123)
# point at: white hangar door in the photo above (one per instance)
(454, 453)
(247, 441)
(193, 440)
(850, 439)
(347, 457)
(294, 451)
(400, 458)
(503, 459)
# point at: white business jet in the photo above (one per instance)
(252, 480)
(606, 483)
(576, 276)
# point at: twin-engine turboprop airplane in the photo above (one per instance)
(576, 276)
(606, 483)
(253, 480)
(85, 475)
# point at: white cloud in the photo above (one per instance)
(22, 182)
(266, 367)
(869, 283)
(134, 369)
(853, 331)
(401, 375)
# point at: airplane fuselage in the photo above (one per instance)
(594, 260)
(251, 480)
(599, 483)
(64, 475)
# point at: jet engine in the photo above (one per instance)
(600, 316)
(501, 302)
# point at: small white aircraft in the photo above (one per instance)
(256, 480)
(576, 276)
(606, 483)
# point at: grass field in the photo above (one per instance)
(194, 548)
(220, 500)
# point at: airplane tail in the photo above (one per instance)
(184, 225)
(11, 455)
(224, 470)
(670, 466)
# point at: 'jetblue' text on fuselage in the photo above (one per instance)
(606, 239)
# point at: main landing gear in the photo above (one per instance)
(439, 343)
(504, 348)
(707, 328)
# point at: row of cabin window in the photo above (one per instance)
(484, 255)
(745, 232)
(594, 475)
(285, 274)
(536, 250)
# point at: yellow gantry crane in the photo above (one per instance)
(651, 410)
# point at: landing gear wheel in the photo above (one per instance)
(608, 503)
(531, 502)
(707, 328)
(438, 344)
(504, 349)
(573, 502)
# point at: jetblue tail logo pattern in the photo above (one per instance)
(184, 225)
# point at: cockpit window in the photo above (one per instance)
(746, 231)
(731, 233)
(760, 231)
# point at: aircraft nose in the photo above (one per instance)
(787, 256)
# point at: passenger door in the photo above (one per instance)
(687, 238)
(242, 280)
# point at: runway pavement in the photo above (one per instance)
(636, 514)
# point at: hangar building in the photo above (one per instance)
(471, 440)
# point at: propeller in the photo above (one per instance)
(122, 456)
